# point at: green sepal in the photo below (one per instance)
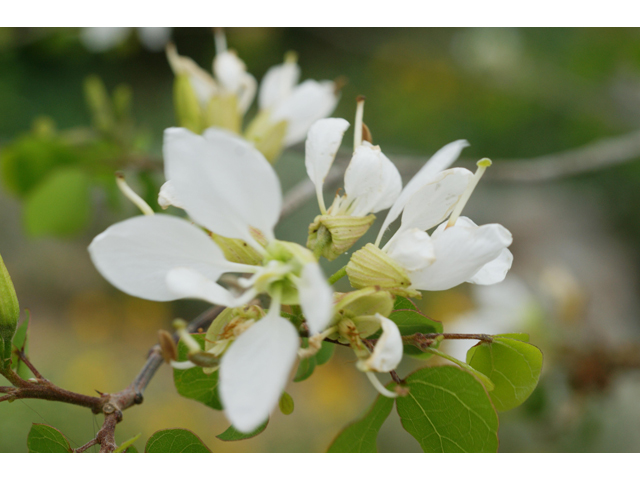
(186, 104)
(222, 112)
(21, 343)
(267, 137)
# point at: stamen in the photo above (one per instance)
(315, 343)
(323, 208)
(482, 166)
(379, 387)
(131, 195)
(181, 329)
(357, 136)
(220, 39)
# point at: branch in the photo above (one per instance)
(591, 157)
(112, 404)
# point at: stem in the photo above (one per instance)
(338, 275)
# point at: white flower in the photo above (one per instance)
(371, 181)
(160, 257)
(231, 76)
(457, 251)
(281, 98)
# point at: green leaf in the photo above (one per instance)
(9, 311)
(60, 205)
(360, 436)
(175, 440)
(409, 321)
(45, 439)
(131, 449)
(513, 366)
(286, 404)
(306, 365)
(233, 435)
(448, 410)
(523, 337)
(124, 446)
(325, 353)
(194, 383)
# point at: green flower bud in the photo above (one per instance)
(267, 137)
(223, 112)
(332, 235)
(286, 404)
(188, 111)
(9, 311)
(371, 267)
(361, 306)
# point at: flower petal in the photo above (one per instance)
(224, 183)
(136, 255)
(189, 283)
(387, 353)
(316, 297)
(323, 141)
(229, 71)
(440, 160)
(494, 271)
(168, 197)
(247, 92)
(413, 249)
(371, 180)
(255, 370)
(461, 251)
(434, 202)
(277, 84)
(309, 101)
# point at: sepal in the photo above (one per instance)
(339, 234)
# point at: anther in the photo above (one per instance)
(482, 166)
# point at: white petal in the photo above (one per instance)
(387, 353)
(413, 249)
(154, 38)
(224, 183)
(202, 82)
(440, 160)
(277, 84)
(167, 196)
(494, 271)
(309, 101)
(229, 71)
(255, 370)
(435, 201)
(136, 255)
(316, 297)
(247, 92)
(371, 180)
(322, 144)
(188, 283)
(461, 251)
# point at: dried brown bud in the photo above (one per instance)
(168, 347)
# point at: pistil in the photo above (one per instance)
(482, 166)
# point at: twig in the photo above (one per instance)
(588, 158)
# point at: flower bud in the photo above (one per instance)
(9, 311)
(187, 106)
(267, 136)
(361, 306)
(333, 235)
(223, 112)
(371, 267)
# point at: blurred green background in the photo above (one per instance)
(512, 93)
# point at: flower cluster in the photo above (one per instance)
(286, 109)
(232, 197)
